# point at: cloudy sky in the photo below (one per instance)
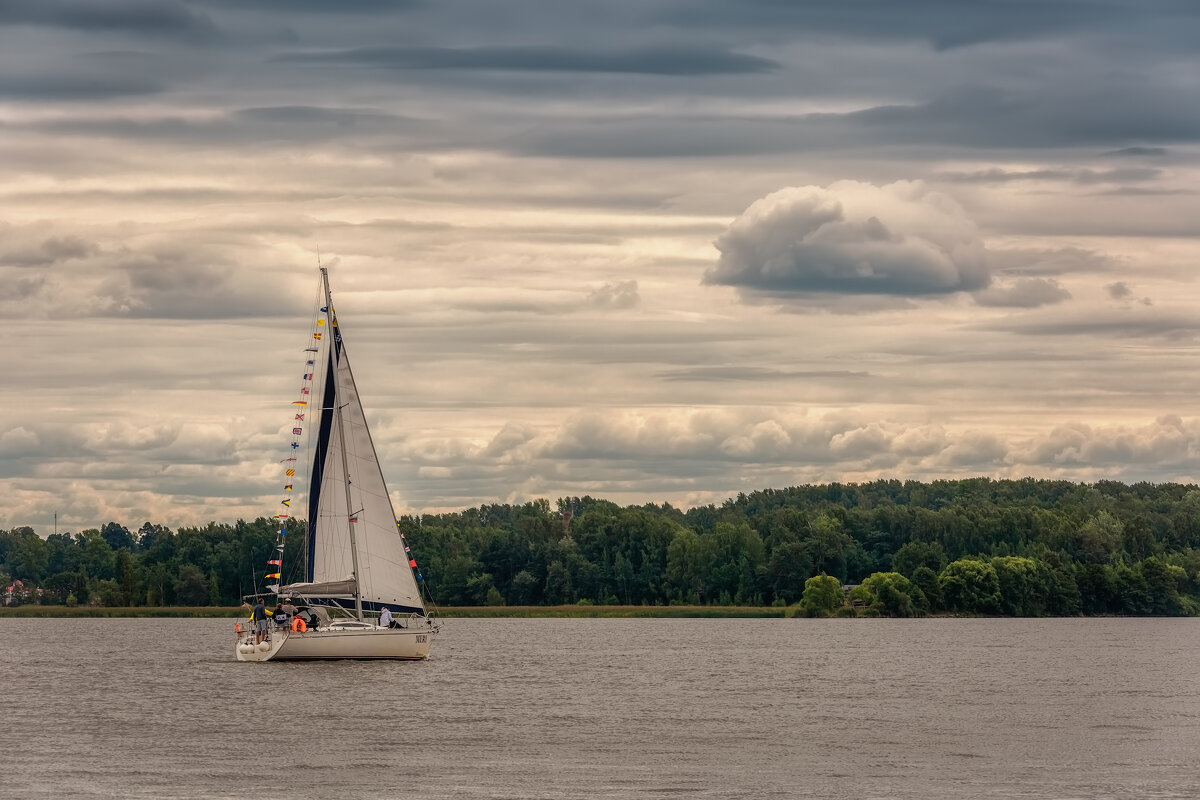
(647, 250)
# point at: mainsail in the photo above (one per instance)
(352, 545)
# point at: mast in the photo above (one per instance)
(337, 404)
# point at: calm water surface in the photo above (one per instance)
(147, 708)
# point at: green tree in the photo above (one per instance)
(919, 554)
(96, 557)
(1023, 586)
(109, 593)
(160, 586)
(685, 570)
(191, 586)
(822, 595)
(788, 569)
(890, 594)
(1098, 539)
(526, 589)
(1097, 585)
(830, 547)
(28, 558)
(117, 536)
(970, 586)
(1065, 598)
(558, 589)
(1162, 585)
(128, 578)
(926, 580)
(58, 586)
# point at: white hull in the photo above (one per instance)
(366, 642)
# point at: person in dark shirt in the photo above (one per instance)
(259, 617)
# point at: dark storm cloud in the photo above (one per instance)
(1079, 176)
(1129, 323)
(139, 17)
(323, 7)
(676, 137)
(1029, 262)
(1057, 115)
(76, 87)
(967, 117)
(1152, 152)
(300, 122)
(666, 59)
(1023, 293)
(1142, 191)
(284, 123)
(942, 23)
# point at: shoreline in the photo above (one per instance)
(449, 612)
(505, 612)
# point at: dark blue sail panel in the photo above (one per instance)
(319, 454)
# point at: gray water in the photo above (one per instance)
(598, 708)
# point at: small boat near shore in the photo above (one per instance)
(356, 582)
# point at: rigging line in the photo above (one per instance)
(299, 424)
(311, 353)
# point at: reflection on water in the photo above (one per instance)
(610, 708)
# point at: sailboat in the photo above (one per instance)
(356, 563)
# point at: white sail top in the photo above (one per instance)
(384, 576)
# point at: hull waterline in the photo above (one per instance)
(338, 643)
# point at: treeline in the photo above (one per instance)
(1023, 547)
(152, 566)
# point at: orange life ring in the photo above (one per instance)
(298, 625)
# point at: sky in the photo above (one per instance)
(643, 250)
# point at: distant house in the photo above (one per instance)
(12, 595)
(18, 594)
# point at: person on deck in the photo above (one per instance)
(289, 609)
(259, 617)
(385, 618)
(280, 616)
(306, 615)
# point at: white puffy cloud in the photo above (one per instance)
(632, 455)
(617, 294)
(1169, 443)
(852, 238)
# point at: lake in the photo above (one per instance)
(611, 708)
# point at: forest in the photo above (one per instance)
(895, 548)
